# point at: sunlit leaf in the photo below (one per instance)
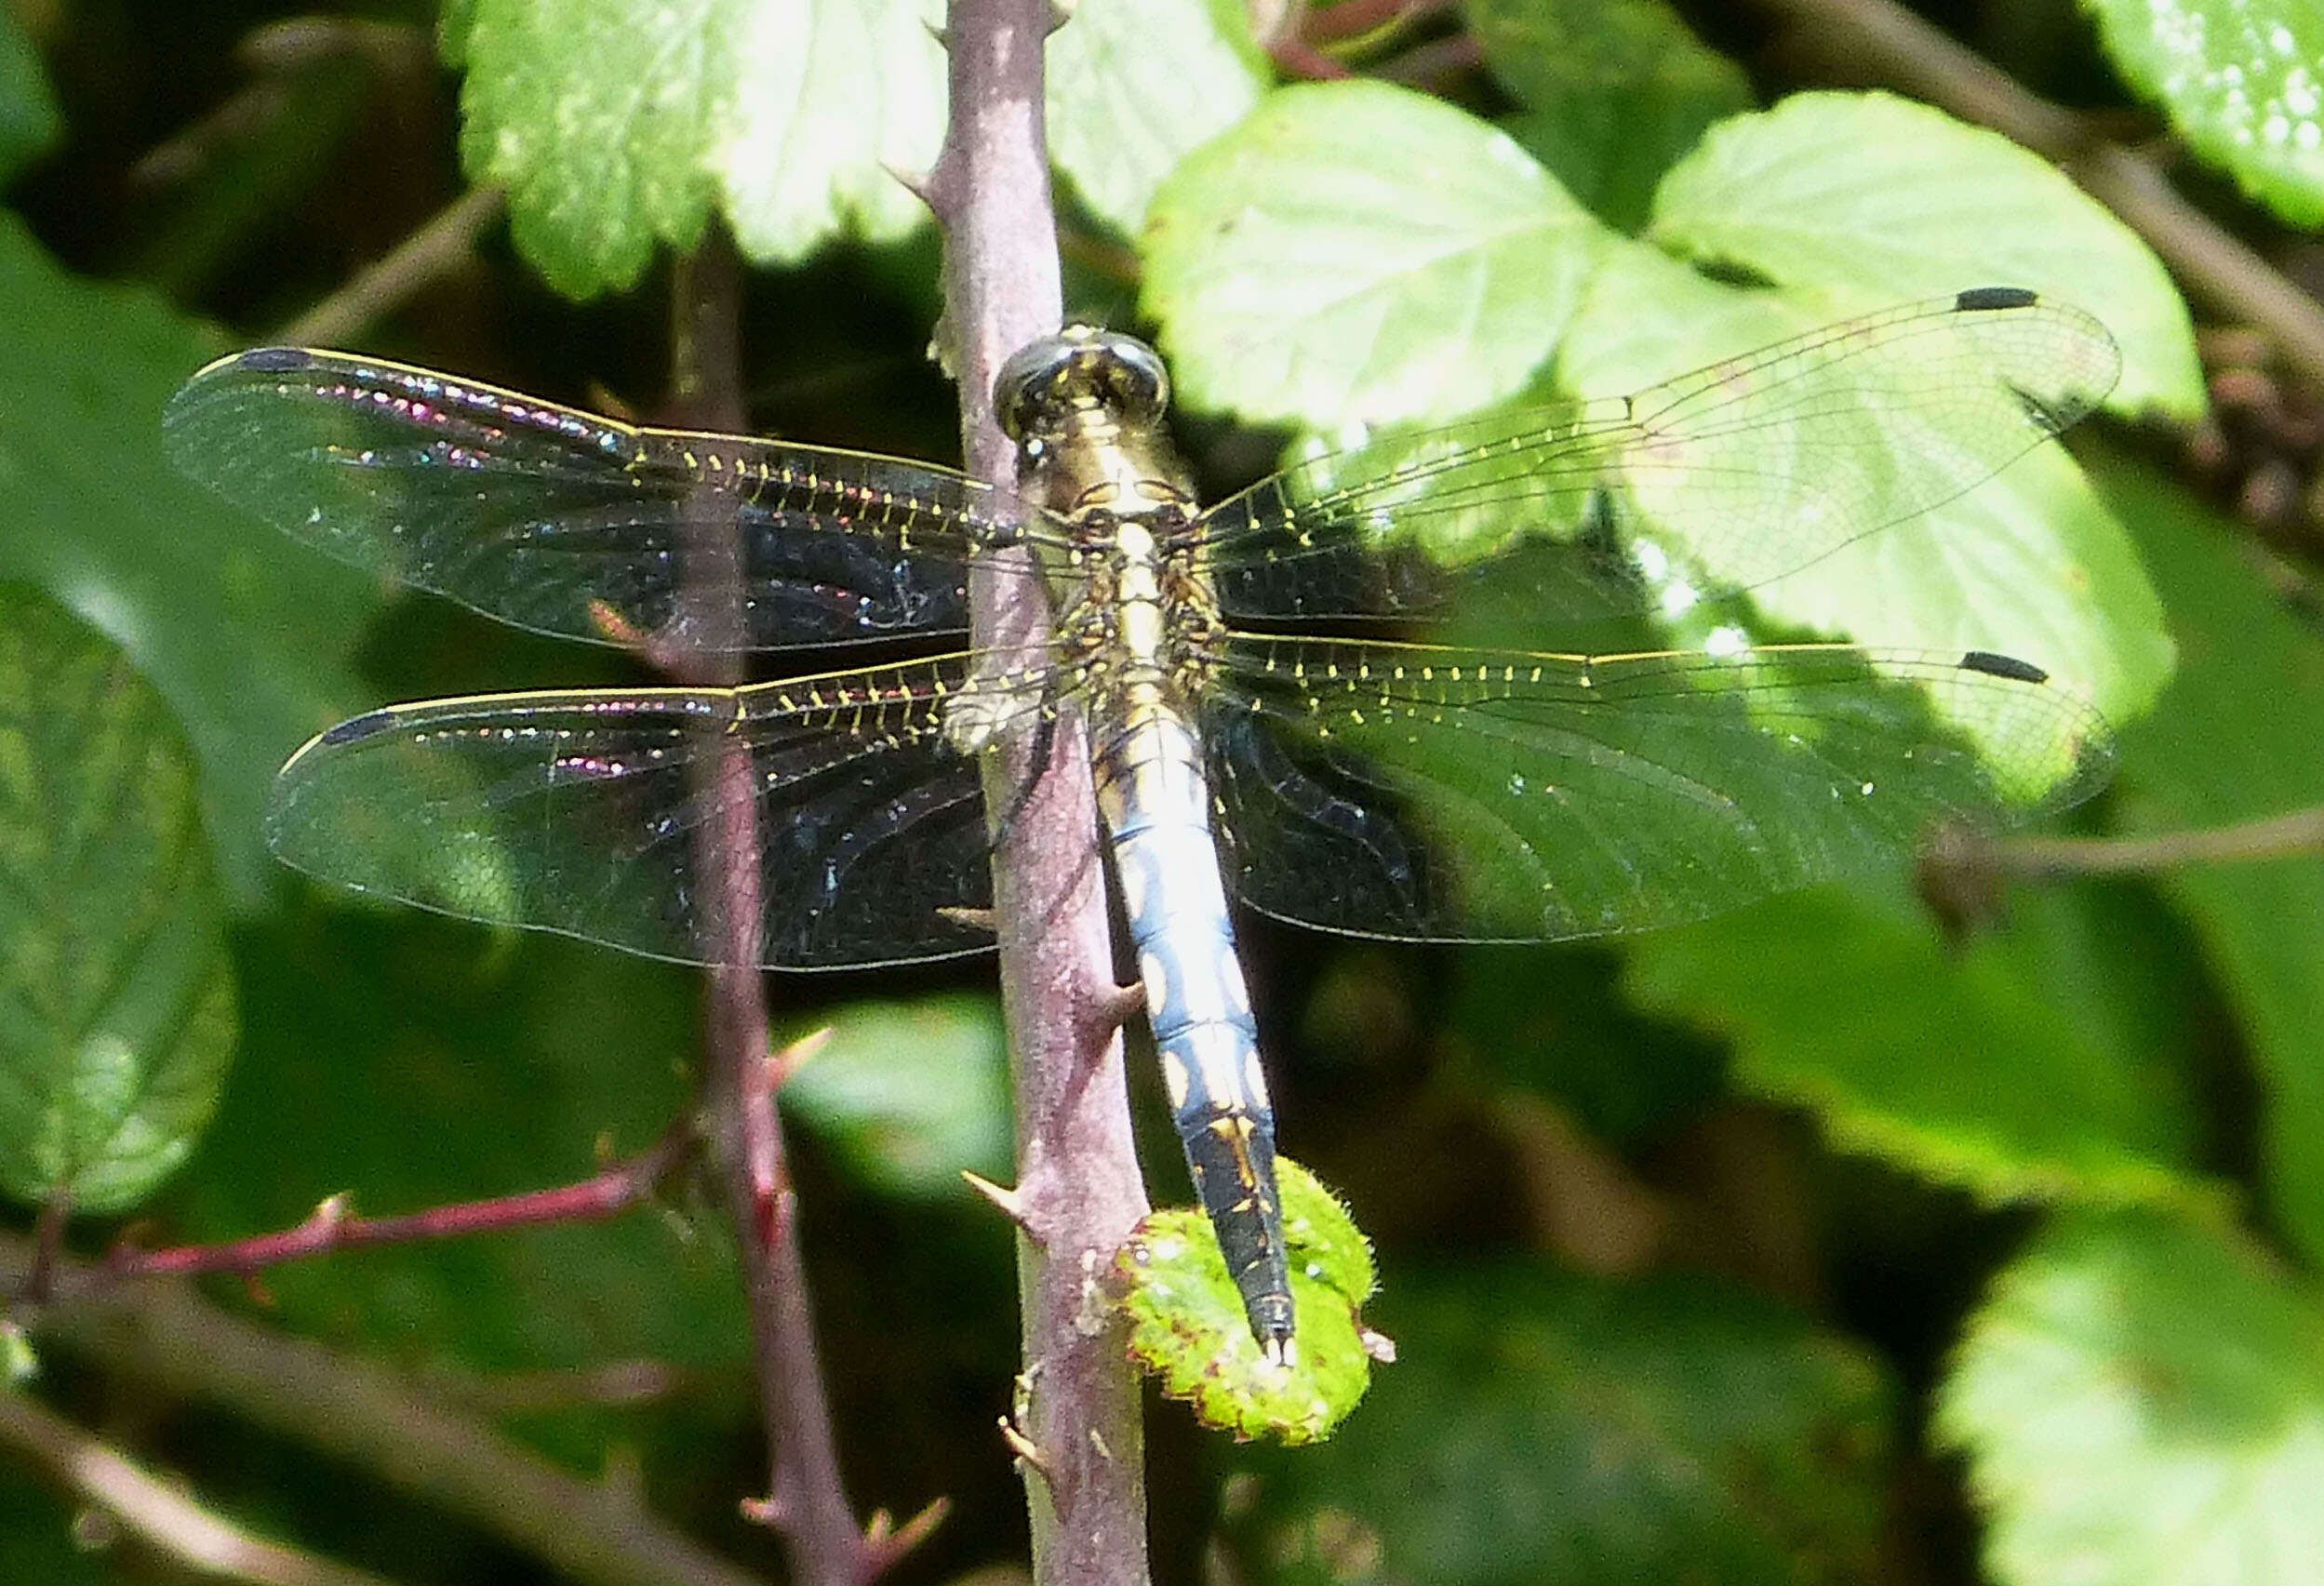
(2142, 1404)
(2028, 564)
(1870, 198)
(1134, 84)
(1188, 1328)
(117, 1019)
(2242, 82)
(620, 126)
(1355, 252)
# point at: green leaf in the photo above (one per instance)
(41, 1539)
(1614, 92)
(2029, 564)
(1870, 199)
(911, 1093)
(1549, 1021)
(118, 1020)
(1956, 1064)
(30, 121)
(1355, 252)
(618, 126)
(1188, 1325)
(408, 1062)
(1563, 1430)
(2142, 1404)
(2235, 739)
(1134, 84)
(246, 636)
(2242, 84)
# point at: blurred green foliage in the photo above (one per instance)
(1682, 1240)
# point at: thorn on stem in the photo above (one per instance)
(1120, 1005)
(1023, 1448)
(1011, 1204)
(787, 1060)
(330, 1214)
(885, 1545)
(920, 184)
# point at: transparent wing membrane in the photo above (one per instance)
(1384, 789)
(1421, 793)
(584, 812)
(567, 522)
(1721, 479)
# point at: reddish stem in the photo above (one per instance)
(804, 1501)
(603, 1194)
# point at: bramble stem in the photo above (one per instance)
(1079, 1189)
(804, 1499)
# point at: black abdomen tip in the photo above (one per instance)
(2007, 666)
(1985, 300)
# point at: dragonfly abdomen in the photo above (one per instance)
(1156, 807)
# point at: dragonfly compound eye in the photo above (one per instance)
(1079, 371)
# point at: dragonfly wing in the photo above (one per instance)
(1718, 480)
(567, 522)
(1429, 793)
(585, 812)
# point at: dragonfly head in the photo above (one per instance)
(1060, 382)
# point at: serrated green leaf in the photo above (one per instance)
(598, 119)
(29, 118)
(247, 637)
(2242, 82)
(1612, 92)
(1133, 86)
(830, 100)
(1952, 1063)
(911, 1093)
(2142, 1404)
(618, 126)
(1353, 252)
(1873, 199)
(2235, 739)
(1188, 1327)
(118, 1020)
(2029, 564)
(1563, 1430)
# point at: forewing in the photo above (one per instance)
(1428, 794)
(568, 522)
(584, 813)
(1721, 479)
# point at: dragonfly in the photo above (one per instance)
(1276, 690)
